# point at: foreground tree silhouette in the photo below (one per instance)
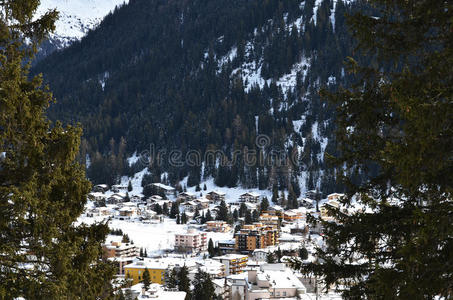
(43, 255)
(395, 124)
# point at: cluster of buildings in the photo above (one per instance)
(239, 268)
(233, 275)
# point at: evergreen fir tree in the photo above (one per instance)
(248, 217)
(184, 282)
(196, 213)
(270, 258)
(165, 209)
(125, 238)
(178, 219)
(222, 214)
(203, 287)
(129, 186)
(235, 215)
(279, 254)
(303, 253)
(395, 126)
(158, 209)
(242, 210)
(172, 280)
(255, 216)
(274, 194)
(146, 279)
(264, 204)
(211, 249)
(283, 199)
(208, 216)
(43, 255)
(174, 210)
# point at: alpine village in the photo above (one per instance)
(226, 149)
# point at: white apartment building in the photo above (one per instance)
(191, 241)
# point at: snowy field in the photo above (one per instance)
(156, 238)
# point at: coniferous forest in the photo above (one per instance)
(182, 75)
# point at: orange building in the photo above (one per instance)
(255, 236)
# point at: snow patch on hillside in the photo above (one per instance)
(288, 81)
(315, 10)
(228, 57)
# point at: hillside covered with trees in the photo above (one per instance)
(208, 75)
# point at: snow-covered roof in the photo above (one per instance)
(163, 186)
(230, 256)
(252, 194)
(190, 194)
(101, 186)
(203, 200)
(280, 277)
(218, 193)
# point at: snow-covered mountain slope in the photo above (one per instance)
(77, 16)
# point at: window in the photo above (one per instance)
(284, 293)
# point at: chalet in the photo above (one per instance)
(116, 198)
(202, 203)
(334, 196)
(149, 214)
(102, 211)
(216, 196)
(189, 206)
(250, 197)
(127, 212)
(116, 188)
(153, 199)
(187, 196)
(306, 202)
(97, 196)
(167, 190)
(101, 188)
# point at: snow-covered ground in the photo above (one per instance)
(77, 17)
(156, 238)
(231, 194)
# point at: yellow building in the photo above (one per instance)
(157, 271)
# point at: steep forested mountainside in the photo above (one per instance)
(208, 75)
